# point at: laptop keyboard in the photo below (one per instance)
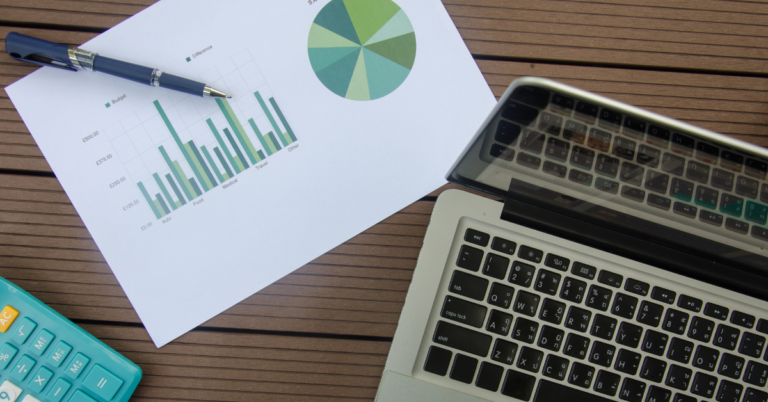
(519, 319)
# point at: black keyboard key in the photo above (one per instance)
(554, 169)
(736, 226)
(732, 161)
(573, 290)
(526, 303)
(521, 274)
(698, 171)
(607, 165)
(726, 337)
(611, 119)
(756, 374)
(731, 366)
(675, 321)
(624, 148)
(531, 95)
(627, 362)
(556, 367)
(747, 187)
(607, 186)
(690, 303)
(629, 335)
(550, 123)
(634, 194)
(507, 133)
(586, 112)
(681, 189)
(529, 161)
(576, 346)
(753, 395)
(603, 327)
(716, 311)
(673, 164)
(610, 278)
(751, 345)
(648, 156)
(499, 323)
(519, 113)
(525, 330)
(518, 385)
(602, 354)
(706, 358)
(581, 376)
(599, 298)
(722, 179)
(707, 153)
(500, 295)
(729, 392)
(680, 350)
(498, 151)
(760, 233)
(503, 245)
(599, 140)
(557, 262)
(504, 352)
(655, 342)
(582, 157)
(463, 369)
(462, 339)
(632, 390)
(463, 311)
(650, 313)
(657, 182)
(468, 285)
(532, 141)
(682, 144)
(496, 266)
(470, 258)
(624, 306)
(530, 359)
(557, 149)
(653, 369)
(706, 197)
(701, 329)
(578, 319)
(547, 282)
(606, 383)
(580, 177)
(659, 201)
(658, 136)
(552, 311)
(658, 394)
(637, 287)
(704, 385)
(756, 168)
(634, 128)
(742, 319)
(489, 376)
(663, 295)
(438, 360)
(575, 132)
(731, 205)
(562, 104)
(711, 218)
(762, 325)
(551, 338)
(583, 270)
(477, 237)
(678, 377)
(530, 254)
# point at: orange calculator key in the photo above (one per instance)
(7, 316)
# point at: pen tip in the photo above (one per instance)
(209, 92)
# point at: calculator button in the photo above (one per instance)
(41, 342)
(9, 391)
(58, 391)
(80, 396)
(60, 353)
(7, 316)
(22, 368)
(77, 364)
(40, 379)
(102, 382)
(30, 398)
(22, 332)
(7, 353)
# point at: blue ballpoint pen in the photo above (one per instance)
(38, 51)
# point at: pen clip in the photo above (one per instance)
(38, 51)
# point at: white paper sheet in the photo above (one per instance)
(354, 162)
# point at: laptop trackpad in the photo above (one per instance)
(395, 387)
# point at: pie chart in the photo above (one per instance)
(362, 49)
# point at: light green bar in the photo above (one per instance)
(259, 136)
(239, 164)
(204, 180)
(213, 165)
(178, 204)
(288, 140)
(221, 143)
(269, 116)
(271, 144)
(164, 190)
(178, 173)
(159, 207)
(187, 153)
(152, 205)
(225, 176)
(229, 114)
(186, 182)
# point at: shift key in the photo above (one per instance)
(463, 311)
(462, 339)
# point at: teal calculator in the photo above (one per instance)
(46, 357)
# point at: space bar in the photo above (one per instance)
(549, 391)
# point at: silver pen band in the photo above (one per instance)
(155, 80)
(81, 59)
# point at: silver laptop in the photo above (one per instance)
(613, 254)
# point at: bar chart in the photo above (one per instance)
(180, 147)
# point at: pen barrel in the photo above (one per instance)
(180, 84)
(129, 71)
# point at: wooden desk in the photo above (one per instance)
(323, 332)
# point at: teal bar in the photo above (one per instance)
(195, 187)
(282, 119)
(270, 117)
(164, 190)
(261, 155)
(274, 141)
(237, 149)
(176, 138)
(213, 165)
(149, 200)
(176, 174)
(175, 188)
(234, 124)
(162, 203)
(202, 162)
(259, 136)
(222, 145)
(223, 163)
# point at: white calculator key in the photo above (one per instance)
(9, 392)
(30, 398)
